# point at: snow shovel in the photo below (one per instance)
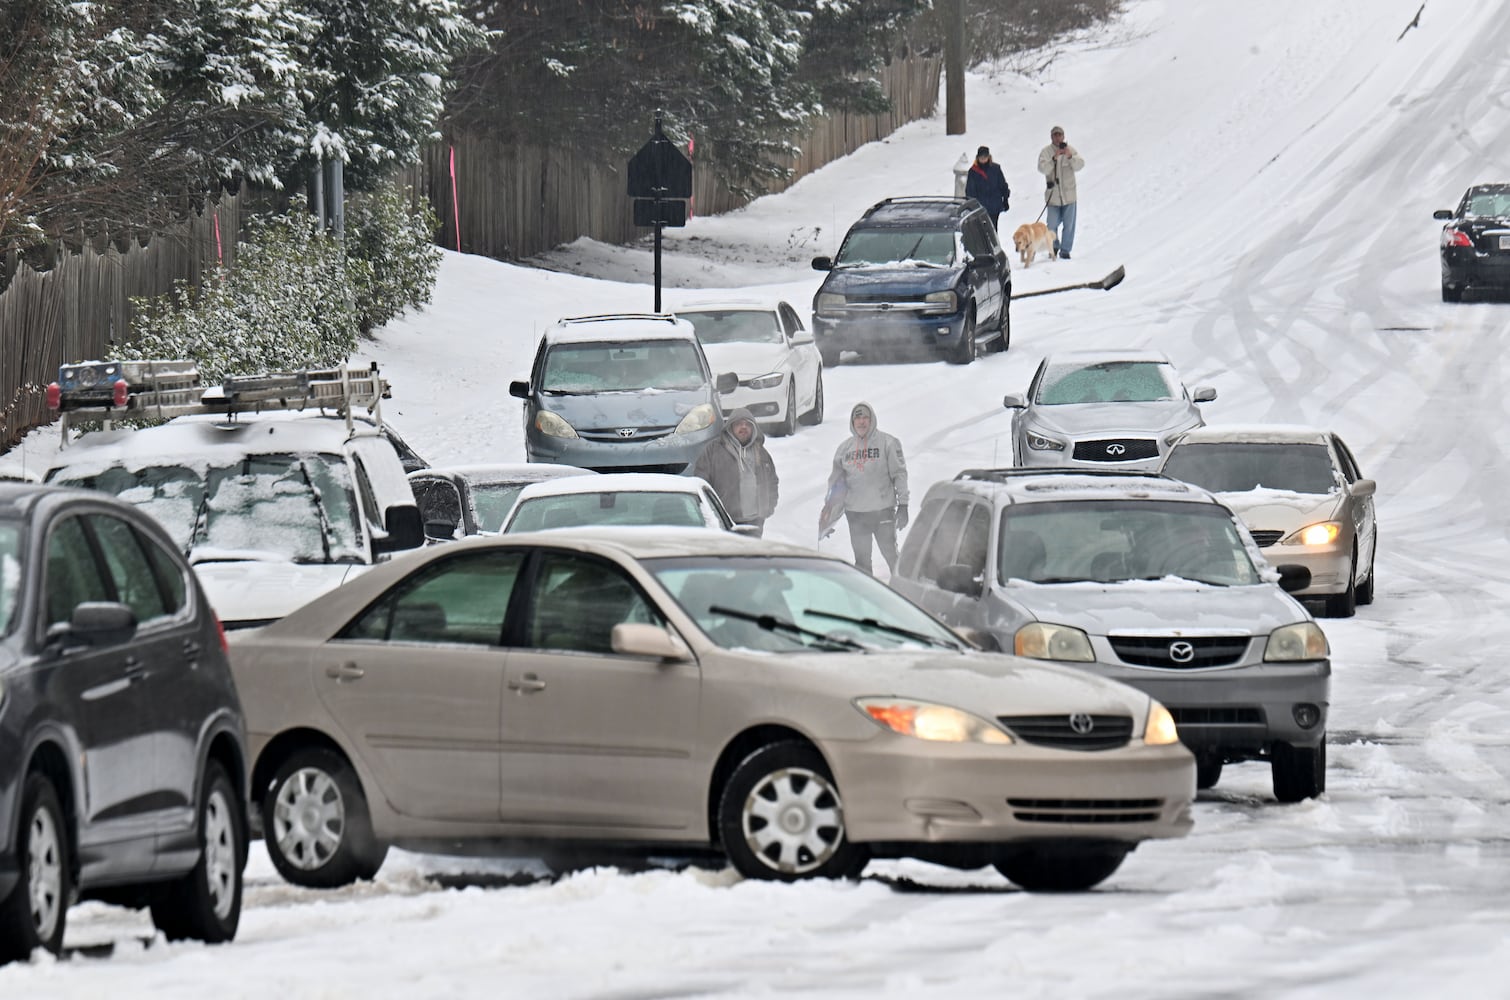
(1105, 284)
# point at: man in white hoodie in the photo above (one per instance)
(873, 472)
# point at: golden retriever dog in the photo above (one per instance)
(1031, 239)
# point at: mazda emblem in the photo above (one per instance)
(1181, 651)
(1116, 449)
(627, 432)
(1082, 723)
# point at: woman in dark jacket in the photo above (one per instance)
(987, 185)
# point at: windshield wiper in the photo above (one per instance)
(314, 494)
(905, 633)
(771, 623)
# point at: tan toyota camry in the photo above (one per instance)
(655, 688)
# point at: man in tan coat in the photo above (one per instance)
(1058, 162)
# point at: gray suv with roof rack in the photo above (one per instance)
(922, 275)
(1143, 579)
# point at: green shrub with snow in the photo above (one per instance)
(396, 242)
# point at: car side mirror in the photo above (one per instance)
(1442, 213)
(1203, 394)
(650, 641)
(1293, 577)
(519, 390)
(1014, 401)
(404, 529)
(748, 530)
(802, 337)
(440, 530)
(960, 579)
(979, 639)
(823, 263)
(95, 623)
(1363, 488)
(727, 383)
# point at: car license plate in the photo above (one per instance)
(1505, 242)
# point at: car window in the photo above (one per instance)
(890, 246)
(172, 494)
(716, 505)
(136, 585)
(945, 540)
(975, 539)
(1488, 205)
(791, 319)
(576, 601)
(438, 500)
(491, 503)
(735, 326)
(1110, 381)
(10, 573)
(568, 510)
(1349, 464)
(627, 367)
(461, 600)
(73, 574)
(915, 544)
(172, 576)
(976, 241)
(1236, 467)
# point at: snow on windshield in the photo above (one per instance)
(891, 246)
(629, 367)
(1111, 381)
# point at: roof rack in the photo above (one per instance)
(161, 390)
(1010, 473)
(667, 316)
(922, 199)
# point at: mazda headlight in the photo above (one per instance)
(1160, 730)
(828, 301)
(1323, 533)
(771, 381)
(698, 418)
(552, 425)
(1043, 641)
(1301, 641)
(1040, 443)
(941, 302)
(927, 721)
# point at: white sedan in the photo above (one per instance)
(780, 372)
(618, 498)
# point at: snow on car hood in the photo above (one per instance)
(250, 591)
(902, 280)
(1158, 607)
(745, 358)
(644, 408)
(1112, 419)
(1281, 510)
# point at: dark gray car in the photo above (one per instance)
(122, 746)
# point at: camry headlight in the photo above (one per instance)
(1301, 641)
(770, 381)
(552, 425)
(928, 721)
(1040, 443)
(1160, 730)
(828, 301)
(700, 416)
(1324, 533)
(1043, 641)
(941, 302)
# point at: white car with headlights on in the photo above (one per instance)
(766, 345)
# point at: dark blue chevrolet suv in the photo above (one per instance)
(916, 276)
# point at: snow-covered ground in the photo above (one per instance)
(1267, 173)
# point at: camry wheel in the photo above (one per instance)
(1299, 772)
(205, 904)
(34, 914)
(1365, 590)
(1058, 867)
(815, 415)
(1344, 604)
(781, 817)
(316, 824)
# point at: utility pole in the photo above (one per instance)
(954, 67)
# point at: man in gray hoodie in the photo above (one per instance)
(741, 471)
(873, 471)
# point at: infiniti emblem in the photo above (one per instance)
(1115, 449)
(1181, 651)
(1082, 723)
(627, 432)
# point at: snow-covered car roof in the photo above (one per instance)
(1095, 357)
(1255, 434)
(506, 472)
(653, 541)
(616, 482)
(628, 326)
(728, 305)
(1055, 486)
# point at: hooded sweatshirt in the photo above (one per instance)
(743, 475)
(873, 467)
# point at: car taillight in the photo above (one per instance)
(54, 396)
(119, 392)
(225, 647)
(1455, 238)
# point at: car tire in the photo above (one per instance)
(1208, 771)
(829, 355)
(810, 841)
(1365, 590)
(1299, 772)
(316, 824)
(36, 911)
(1344, 604)
(1006, 321)
(1059, 867)
(788, 425)
(964, 351)
(205, 904)
(814, 416)
(1452, 293)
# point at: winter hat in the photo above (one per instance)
(1057, 130)
(983, 151)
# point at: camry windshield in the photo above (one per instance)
(1111, 541)
(279, 507)
(10, 573)
(794, 604)
(1109, 381)
(735, 326)
(633, 367)
(891, 246)
(491, 503)
(569, 510)
(1235, 468)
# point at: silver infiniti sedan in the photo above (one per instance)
(1117, 410)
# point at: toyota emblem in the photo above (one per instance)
(627, 432)
(1082, 723)
(1181, 651)
(1116, 449)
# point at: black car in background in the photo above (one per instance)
(1476, 242)
(922, 275)
(122, 746)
